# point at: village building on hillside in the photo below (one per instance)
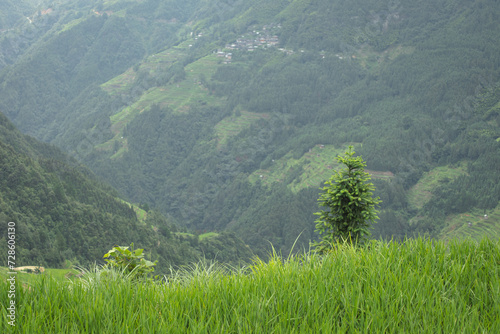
(256, 39)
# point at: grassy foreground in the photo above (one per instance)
(415, 287)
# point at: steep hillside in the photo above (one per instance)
(24, 22)
(14, 10)
(63, 213)
(228, 115)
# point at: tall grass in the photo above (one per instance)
(418, 286)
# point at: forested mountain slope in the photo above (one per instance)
(62, 213)
(14, 10)
(23, 23)
(227, 115)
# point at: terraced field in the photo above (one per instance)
(231, 126)
(475, 224)
(121, 83)
(200, 237)
(421, 193)
(471, 224)
(311, 170)
(179, 96)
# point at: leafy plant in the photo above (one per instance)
(351, 207)
(131, 262)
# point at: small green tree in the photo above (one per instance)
(351, 206)
(131, 262)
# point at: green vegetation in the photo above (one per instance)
(200, 237)
(14, 10)
(350, 206)
(421, 193)
(27, 279)
(141, 213)
(233, 125)
(418, 286)
(312, 168)
(63, 213)
(183, 105)
(309, 171)
(72, 24)
(207, 235)
(226, 116)
(59, 274)
(129, 261)
(120, 83)
(474, 225)
(272, 106)
(178, 93)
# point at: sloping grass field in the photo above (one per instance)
(418, 286)
(141, 214)
(314, 168)
(231, 126)
(317, 166)
(473, 225)
(421, 193)
(30, 279)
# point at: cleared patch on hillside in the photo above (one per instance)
(421, 193)
(140, 213)
(153, 65)
(72, 24)
(231, 126)
(371, 59)
(311, 170)
(121, 83)
(208, 235)
(380, 175)
(200, 237)
(476, 225)
(189, 92)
